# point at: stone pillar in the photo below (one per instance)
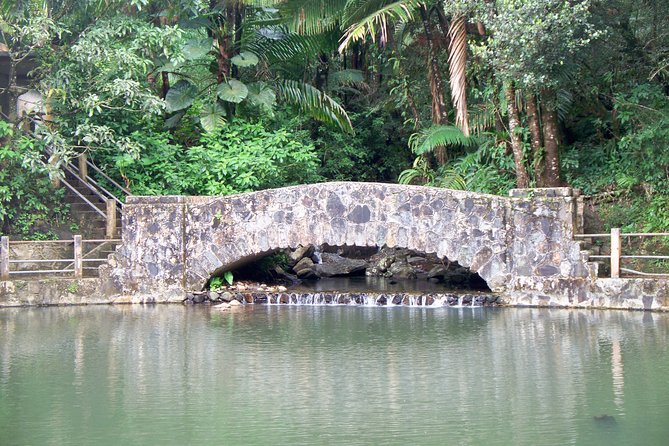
(615, 253)
(111, 218)
(542, 223)
(78, 257)
(4, 258)
(153, 247)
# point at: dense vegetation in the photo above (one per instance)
(225, 96)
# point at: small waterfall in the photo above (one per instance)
(375, 299)
(316, 257)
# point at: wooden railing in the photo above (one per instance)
(113, 206)
(616, 256)
(75, 265)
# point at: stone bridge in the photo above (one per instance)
(515, 243)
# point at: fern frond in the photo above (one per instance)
(482, 117)
(420, 172)
(314, 103)
(428, 139)
(451, 178)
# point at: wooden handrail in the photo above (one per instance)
(77, 262)
(616, 251)
(73, 189)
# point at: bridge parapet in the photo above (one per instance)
(179, 242)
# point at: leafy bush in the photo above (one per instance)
(29, 207)
(241, 157)
(633, 168)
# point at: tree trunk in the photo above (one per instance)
(551, 144)
(535, 138)
(522, 178)
(439, 113)
(12, 92)
(165, 76)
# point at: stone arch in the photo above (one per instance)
(222, 233)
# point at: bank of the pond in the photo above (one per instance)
(624, 294)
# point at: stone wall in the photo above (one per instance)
(173, 244)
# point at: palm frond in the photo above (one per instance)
(375, 20)
(291, 45)
(428, 139)
(457, 64)
(314, 103)
(344, 79)
(482, 117)
(309, 17)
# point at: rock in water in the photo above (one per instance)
(605, 420)
(336, 265)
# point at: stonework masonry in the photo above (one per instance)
(521, 245)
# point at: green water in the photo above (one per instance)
(272, 375)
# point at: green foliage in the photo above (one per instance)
(216, 284)
(314, 103)
(428, 139)
(28, 204)
(376, 152)
(240, 157)
(227, 276)
(486, 169)
(634, 168)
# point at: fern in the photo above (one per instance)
(428, 139)
(420, 172)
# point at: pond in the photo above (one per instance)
(305, 375)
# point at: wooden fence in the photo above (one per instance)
(616, 256)
(75, 265)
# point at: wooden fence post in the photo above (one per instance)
(83, 167)
(78, 263)
(615, 253)
(4, 258)
(111, 218)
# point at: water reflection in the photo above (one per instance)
(312, 375)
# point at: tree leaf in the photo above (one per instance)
(262, 96)
(197, 48)
(228, 277)
(173, 121)
(211, 117)
(245, 59)
(232, 91)
(180, 96)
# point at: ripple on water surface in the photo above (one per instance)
(332, 375)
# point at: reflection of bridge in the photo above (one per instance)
(520, 242)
